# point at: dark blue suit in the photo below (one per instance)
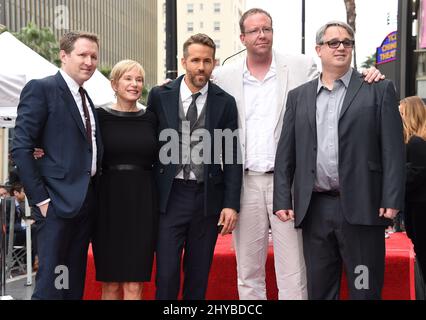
(189, 212)
(48, 117)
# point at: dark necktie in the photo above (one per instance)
(86, 115)
(192, 114)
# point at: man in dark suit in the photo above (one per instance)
(342, 150)
(56, 114)
(194, 196)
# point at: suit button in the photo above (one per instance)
(210, 175)
(161, 171)
(89, 173)
(315, 149)
(313, 171)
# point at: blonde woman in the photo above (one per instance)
(413, 113)
(125, 231)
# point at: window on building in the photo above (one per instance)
(190, 27)
(190, 8)
(201, 25)
(217, 42)
(216, 26)
(201, 6)
(216, 7)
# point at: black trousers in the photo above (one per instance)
(330, 242)
(62, 251)
(416, 230)
(184, 227)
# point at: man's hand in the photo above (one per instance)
(373, 74)
(43, 209)
(228, 218)
(285, 215)
(38, 153)
(388, 213)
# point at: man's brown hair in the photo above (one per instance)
(68, 40)
(199, 38)
(250, 13)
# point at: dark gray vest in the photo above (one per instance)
(193, 145)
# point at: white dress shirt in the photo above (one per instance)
(186, 97)
(260, 101)
(73, 86)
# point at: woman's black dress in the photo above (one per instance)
(126, 223)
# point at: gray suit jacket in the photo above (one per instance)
(371, 152)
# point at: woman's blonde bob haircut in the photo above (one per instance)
(124, 66)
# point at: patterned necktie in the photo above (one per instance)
(86, 115)
(192, 114)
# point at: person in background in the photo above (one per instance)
(413, 113)
(126, 224)
(17, 191)
(4, 193)
(22, 221)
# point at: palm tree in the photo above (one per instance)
(351, 20)
(41, 40)
(370, 61)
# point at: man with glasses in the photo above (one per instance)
(342, 151)
(260, 83)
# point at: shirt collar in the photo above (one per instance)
(185, 92)
(272, 69)
(72, 85)
(345, 79)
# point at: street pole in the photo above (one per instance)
(171, 39)
(303, 27)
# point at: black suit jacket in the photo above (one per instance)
(48, 117)
(416, 170)
(222, 183)
(371, 152)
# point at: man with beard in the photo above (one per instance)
(195, 197)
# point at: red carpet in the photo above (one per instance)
(399, 277)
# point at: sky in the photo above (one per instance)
(372, 26)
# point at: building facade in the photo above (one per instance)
(127, 28)
(411, 58)
(217, 18)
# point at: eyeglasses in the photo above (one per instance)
(334, 44)
(266, 31)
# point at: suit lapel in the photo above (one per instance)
(239, 96)
(354, 86)
(170, 103)
(312, 106)
(70, 104)
(282, 76)
(215, 107)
